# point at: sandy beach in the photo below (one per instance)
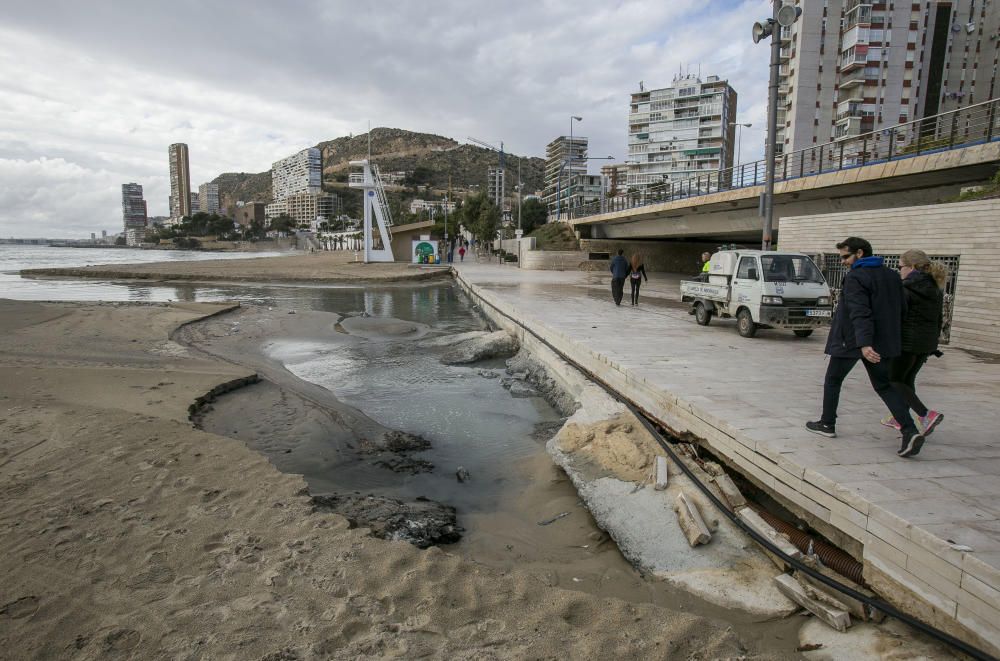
(128, 533)
(332, 266)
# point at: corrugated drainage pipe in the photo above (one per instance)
(831, 556)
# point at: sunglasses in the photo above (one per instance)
(846, 257)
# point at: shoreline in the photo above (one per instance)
(303, 268)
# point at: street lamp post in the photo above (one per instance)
(739, 137)
(568, 161)
(782, 16)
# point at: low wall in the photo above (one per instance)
(968, 229)
(662, 256)
(560, 260)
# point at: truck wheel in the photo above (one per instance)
(702, 315)
(745, 323)
(804, 332)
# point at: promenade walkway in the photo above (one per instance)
(909, 520)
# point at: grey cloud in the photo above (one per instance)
(108, 89)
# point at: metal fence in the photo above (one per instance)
(972, 125)
(834, 270)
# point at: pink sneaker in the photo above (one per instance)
(930, 421)
(891, 423)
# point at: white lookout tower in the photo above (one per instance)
(377, 248)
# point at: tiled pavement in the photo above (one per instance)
(749, 399)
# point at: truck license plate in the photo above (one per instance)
(817, 313)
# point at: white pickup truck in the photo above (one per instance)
(762, 290)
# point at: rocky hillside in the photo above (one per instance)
(426, 159)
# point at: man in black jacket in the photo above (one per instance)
(619, 271)
(867, 326)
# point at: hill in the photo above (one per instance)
(426, 161)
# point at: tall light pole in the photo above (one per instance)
(739, 138)
(567, 162)
(782, 16)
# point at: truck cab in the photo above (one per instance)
(762, 289)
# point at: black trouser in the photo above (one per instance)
(903, 375)
(617, 289)
(635, 282)
(878, 373)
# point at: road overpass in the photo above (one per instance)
(966, 152)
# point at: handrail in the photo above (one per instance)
(975, 124)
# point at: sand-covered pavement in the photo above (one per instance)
(127, 533)
(328, 266)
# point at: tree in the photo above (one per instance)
(282, 223)
(120, 241)
(533, 214)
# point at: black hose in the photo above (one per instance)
(646, 420)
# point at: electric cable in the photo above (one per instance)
(648, 422)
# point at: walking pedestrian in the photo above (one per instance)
(923, 283)
(635, 276)
(619, 271)
(461, 254)
(866, 326)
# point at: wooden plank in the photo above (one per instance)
(691, 522)
(838, 618)
(661, 474)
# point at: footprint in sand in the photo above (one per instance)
(20, 608)
(121, 640)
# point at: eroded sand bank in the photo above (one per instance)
(330, 266)
(127, 533)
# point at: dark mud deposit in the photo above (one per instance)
(422, 522)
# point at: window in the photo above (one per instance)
(785, 268)
(746, 264)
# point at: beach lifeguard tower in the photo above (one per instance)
(377, 247)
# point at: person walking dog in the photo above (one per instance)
(635, 277)
(923, 284)
(866, 326)
(619, 271)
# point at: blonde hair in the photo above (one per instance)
(918, 259)
(636, 260)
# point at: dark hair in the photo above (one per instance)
(854, 244)
(621, 252)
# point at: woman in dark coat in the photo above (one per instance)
(923, 282)
(637, 272)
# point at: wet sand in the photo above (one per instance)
(126, 533)
(327, 266)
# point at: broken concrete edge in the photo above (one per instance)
(691, 523)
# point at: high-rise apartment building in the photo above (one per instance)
(564, 159)
(680, 131)
(850, 67)
(304, 208)
(195, 202)
(299, 173)
(208, 198)
(133, 213)
(180, 181)
(615, 178)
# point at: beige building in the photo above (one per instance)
(615, 178)
(180, 181)
(304, 208)
(249, 212)
(208, 198)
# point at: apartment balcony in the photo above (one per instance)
(848, 109)
(852, 60)
(854, 77)
(785, 54)
(786, 35)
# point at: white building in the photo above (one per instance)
(495, 185)
(680, 131)
(304, 208)
(564, 160)
(208, 198)
(431, 206)
(299, 173)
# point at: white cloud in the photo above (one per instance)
(91, 95)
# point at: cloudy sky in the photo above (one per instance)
(92, 93)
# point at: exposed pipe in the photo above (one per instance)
(831, 556)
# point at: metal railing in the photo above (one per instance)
(972, 125)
